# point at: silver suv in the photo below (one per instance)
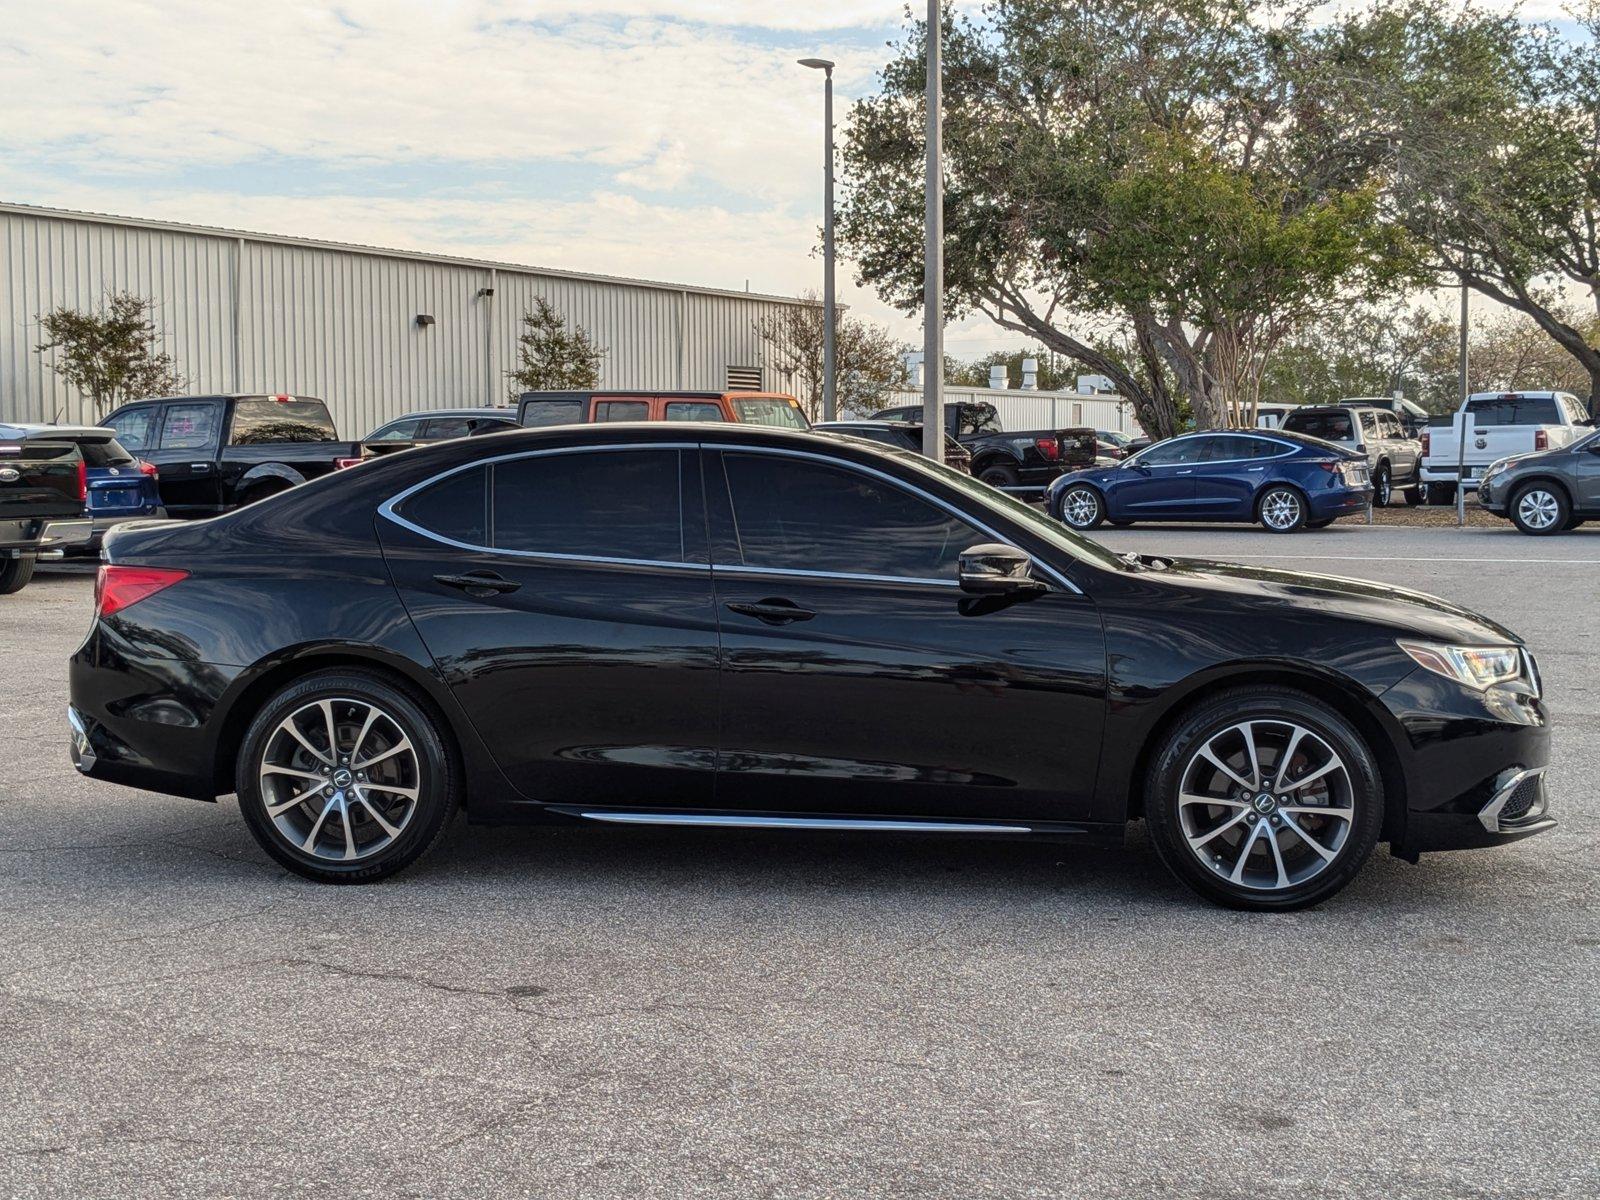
(1394, 458)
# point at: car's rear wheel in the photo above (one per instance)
(1382, 486)
(345, 777)
(1441, 493)
(16, 572)
(998, 475)
(1282, 509)
(1264, 798)
(1540, 509)
(1082, 507)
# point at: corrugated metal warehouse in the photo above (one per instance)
(244, 312)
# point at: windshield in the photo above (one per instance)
(1036, 523)
(779, 412)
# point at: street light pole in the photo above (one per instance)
(830, 383)
(933, 250)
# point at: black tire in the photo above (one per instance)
(1574, 522)
(1271, 708)
(1082, 508)
(16, 572)
(1414, 495)
(1441, 493)
(1000, 475)
(1382, 486)
(437, 776)
(1284, 499)
(1539, 509)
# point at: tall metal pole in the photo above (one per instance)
(933, 276)
(1465, 418)
(830, 319)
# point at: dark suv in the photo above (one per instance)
(1550, 491)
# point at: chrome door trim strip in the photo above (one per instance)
(896, 481)
(799, 573)
(832, 823)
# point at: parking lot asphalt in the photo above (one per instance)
(676, 1013)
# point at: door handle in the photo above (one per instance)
(772, 611)
(478, 583)
(1185, 471)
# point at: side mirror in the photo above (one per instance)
(995, 570)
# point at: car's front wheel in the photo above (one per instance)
(1540, 509)
(344, 777)
(1264, 798)
(1282, 509)
(1082, 507)
(1382, 486)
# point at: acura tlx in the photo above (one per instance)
(722, 625)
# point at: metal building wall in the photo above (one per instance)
(1018, 409)
(251, 312)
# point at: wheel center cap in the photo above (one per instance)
(342, 778)
(1264, 804)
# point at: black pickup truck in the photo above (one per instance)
(215, 453)
(1024, 461)
(43, 483)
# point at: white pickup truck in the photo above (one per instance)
(1498, 425)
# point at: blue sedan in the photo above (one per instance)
(1286, 481)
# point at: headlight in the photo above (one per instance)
(1495, 467)
(1478, 667)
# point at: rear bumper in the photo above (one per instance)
(1340, 502)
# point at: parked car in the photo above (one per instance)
(1394, 460)
(1025, 460)
(1285, 481)
(1500, 425)
(43, 486)
(437, 425)
(902, 435)
(540, 409)
(1271, 416)
(659, 626)
(119, 488)
(1548, 492)
(214, 453)
(1114, 444)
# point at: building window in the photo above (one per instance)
(744, 379)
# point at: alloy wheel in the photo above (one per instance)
(1384, 489)
(1538, 508)
(1280, 510)
(1080, 507)
(340, 779)
(1266, 805)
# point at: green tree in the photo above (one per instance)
(868, 360)
(1493, 135)
(1368, 350)
(553, 355)
(110, 355)
(1164, 165)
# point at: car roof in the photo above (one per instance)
(27, 430)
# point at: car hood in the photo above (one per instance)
(1401, 609)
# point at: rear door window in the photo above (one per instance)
(262, 420)
(455, 508)
(441, 429)
(694, 410)
(622, 410)
(135, 427)
(813, 517)
(611, 504)
(190, 426)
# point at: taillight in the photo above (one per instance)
(115, 588)
(341, 463)
(148, 468)
(1048, 447)
(83, 480)
(1426, 438)
(1541, 439)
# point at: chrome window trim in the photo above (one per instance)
(387, 508)
(1288, 449)
(801, 573)
(893, 481)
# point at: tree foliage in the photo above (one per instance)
(869, 362)
(1166, 163)
(551, 355)
(111, 355)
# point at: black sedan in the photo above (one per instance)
(718, 625)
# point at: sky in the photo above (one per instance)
(663, 139)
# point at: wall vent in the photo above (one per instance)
(744, 379)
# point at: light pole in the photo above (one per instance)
(830, 390)
(933, 270)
